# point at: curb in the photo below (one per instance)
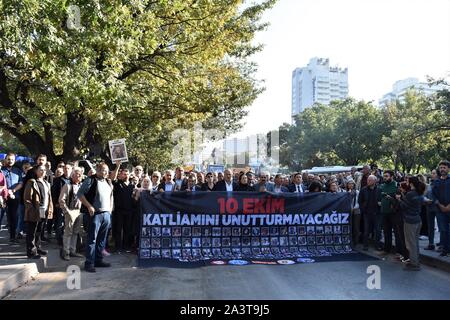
(435, 262)
(20, 274)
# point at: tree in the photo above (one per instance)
(131, 69)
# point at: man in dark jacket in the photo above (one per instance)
(227, 183)
(441, 192)
(387, 199)
(58, 216)
(368, 203)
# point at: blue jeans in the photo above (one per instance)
(96, 238)
(444, 228)
(20, 217)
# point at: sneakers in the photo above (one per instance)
(405, 260)
(76, 255)
(42, 252)
(430, 247)
(65, 257)
(102, 264)
(89, 269)
(444, 254)
(105, 253)
(423, 238)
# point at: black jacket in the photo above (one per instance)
(244, 187)
(368, 200)
(220, 186)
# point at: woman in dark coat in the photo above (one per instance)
(243, 183)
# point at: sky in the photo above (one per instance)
(380, 41)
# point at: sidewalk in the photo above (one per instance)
(427, 257)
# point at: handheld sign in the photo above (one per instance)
(118, 150)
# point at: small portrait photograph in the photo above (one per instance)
(274, 231)
(236, 252)
(256, 231)
(176, 242)
(144, 254)
(320, 240)
(284, 250)
(165, 243)
(156, 232)
(274, 241)
(328, 240)
(348, 248)
(186, 242)
(275, 251)
(145, 243)
(118, 150)
(226, 232)
(176, 232)
(216, 252)
(264, 231)
(206, 242)
(226, 242)
(311, 241)
(246, 242)
(256, 251)
(166, 231)
(186, 231)
(346, 240)
(265, 241)
(156, 253)
(337, 229)
(246, 252)
(293, 241)
(196, 242)
(256, 242)
(302, 230)
(145, 232)
(293, 231)
(302, 241)
(310, 230)
(319, 230)
(328, 229)
(216, 242)
(337, 240)
(166, 253)
(283, 231)
(284, 241)
(196, 253)
(246, 231)
(216, 231)
(235, 242)
(226, 252)
(293, 250)
(186, 253)
(196, 232)
(206, 252)
(206, 231)
(156, 243)
(236, 232)
(345, 229)
(176, 253)
(266, 251)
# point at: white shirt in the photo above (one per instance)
(229, 186)
(298, 188)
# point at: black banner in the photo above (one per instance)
(243, 227)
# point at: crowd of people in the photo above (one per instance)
(103, 204)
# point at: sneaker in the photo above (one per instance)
(42, 252)
(406, 260)
(440, 249)
(444, 254)
(76, 255)
(105, 253)
(423, 238)
(102, 264)
(19, 236)
(411, 267)
(89, 269)
(430, 247)
(66, 257)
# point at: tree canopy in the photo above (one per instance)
(132, 69)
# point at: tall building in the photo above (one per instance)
(317, 83)
(401, 87)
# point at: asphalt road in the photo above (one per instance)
(326, 280)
